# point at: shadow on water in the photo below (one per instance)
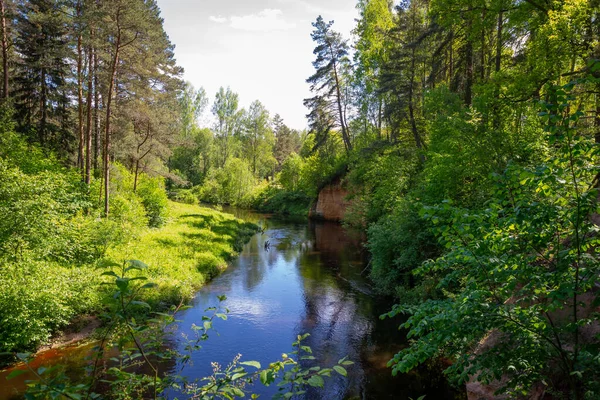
(308, 279)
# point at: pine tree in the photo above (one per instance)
(41, 95)
(139, 59)
(327, 83)
(287, 141)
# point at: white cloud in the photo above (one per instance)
(218, 20)
(311, 8)
(264, 21)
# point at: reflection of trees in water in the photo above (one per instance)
(343, 321)
(285, 243)
(337, 318)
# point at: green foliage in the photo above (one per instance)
(399, 243)
(290, 174)
(192, 158)
(34, 207)
(128, 215)
(379, 177)
(276, 200)
(148, 202)
(153, 196)
(39, 298)
(232, 184)
(464, 151)
(519, 274)
(46, 209)
(185, 196)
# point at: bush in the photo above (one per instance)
(153, 196)
(399, 243)
(38, 298)
(379, 178)
(150, 193)
(231, 184)
(128, 214)
(289, 177)
(36, 210)
(185, 196)
(277, 200)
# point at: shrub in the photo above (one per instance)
(289, 177)
(185, 196)
(128, 213)
(277, 200)
(231, 184)
(150, 193)
(399, 243)
(153, 196)
(35, 209)
(37, 298)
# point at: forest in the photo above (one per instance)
(466, 132)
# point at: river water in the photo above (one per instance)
(310, 278)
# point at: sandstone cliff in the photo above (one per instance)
(331, 204)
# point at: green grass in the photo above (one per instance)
(193, 247)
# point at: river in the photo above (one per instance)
(310, 278)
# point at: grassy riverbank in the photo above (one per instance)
(192, 248)
(39, 299)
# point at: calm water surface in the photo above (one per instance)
(309, 279)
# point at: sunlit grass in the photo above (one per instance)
(189, 250)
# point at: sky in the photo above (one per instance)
(262, 49)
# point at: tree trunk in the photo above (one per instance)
(597, 128)
(81, 156)
(499, 41)
(135, 177)
(496, 107)
(345, 133)
(97, 138)
(90, 88)
(5, 92)
(469, 72)
(411, 110)
(451, 59)
(44, 95)
(113, 77)
(482, 55)
(379, 115)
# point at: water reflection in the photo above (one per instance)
(309, 279)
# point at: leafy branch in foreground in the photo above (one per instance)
(142, 343)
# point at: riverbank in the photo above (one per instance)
(193, 247)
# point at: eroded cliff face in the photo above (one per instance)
(331, 204)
